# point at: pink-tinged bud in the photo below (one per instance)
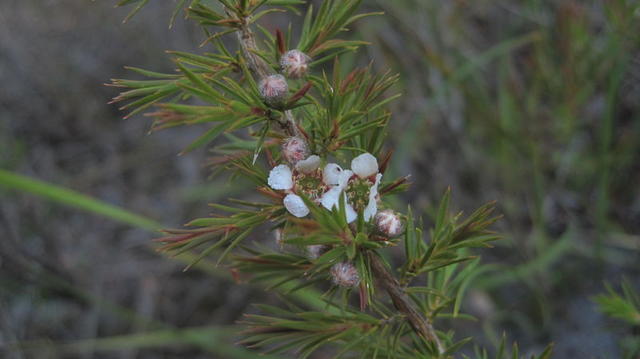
(345, 274)
(294, 64)
(274, 90)
(295, 149)
(388, 223)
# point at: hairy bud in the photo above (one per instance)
(388, 223)
(294, 64)
(274, 90)
(295, 149)
(345, 274)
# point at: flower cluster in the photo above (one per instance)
(358, 186)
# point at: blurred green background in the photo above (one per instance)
(531, 103)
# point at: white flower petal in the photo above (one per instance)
(309, 164)
(330, 198)
(331, 174)
(295, 205)
(352, 215)
(280, 178)
(345, 175)
(364, 165)
(372, 207)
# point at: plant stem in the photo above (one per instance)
(421, 325)
(262, 69)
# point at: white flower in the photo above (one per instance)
(358, 186)
(364, 165)
(282, 178)
(340, 179)
(360, 193)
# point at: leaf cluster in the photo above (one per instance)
(228, 89)
(450, 238)
(349, 110)
(503, 352)
(624, 305)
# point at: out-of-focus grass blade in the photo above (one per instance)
(478, 62)
(214, 339)
(540, 264)
(74, 199)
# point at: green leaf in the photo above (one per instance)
(207, 137)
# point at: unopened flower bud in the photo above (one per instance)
(294, 64)
(274, 90)
(388, 223)
(345, 274)
(295, 149)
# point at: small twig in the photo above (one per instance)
(401, 301)
(262, 69)
(249, 48)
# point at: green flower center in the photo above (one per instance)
(310, 185)
(358, 193)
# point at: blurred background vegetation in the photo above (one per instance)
(532, 103)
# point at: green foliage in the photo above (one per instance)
(349, 111)
(623, 306)
(503, 352)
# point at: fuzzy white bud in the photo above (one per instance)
(294, 64)
(345, 274)
(295, 149)
(274, 90)
(388, 223)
